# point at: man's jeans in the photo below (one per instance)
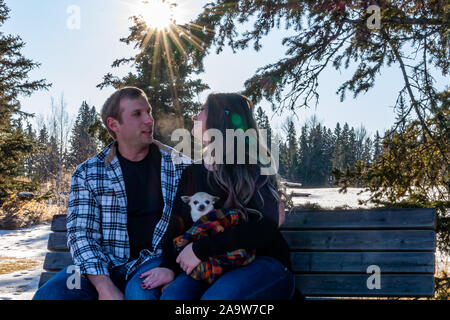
(265, 278)
(57, 289)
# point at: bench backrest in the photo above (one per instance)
(363, 253)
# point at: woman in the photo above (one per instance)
(238, 186)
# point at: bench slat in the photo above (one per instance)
(57, 260)
(390, 262)
(339, 219)
(355, 285)
(361, 240)
(59, 223)
(45, 276)
(57, 241)
(362, 219)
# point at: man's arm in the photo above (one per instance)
(84, 236)
(106, 289)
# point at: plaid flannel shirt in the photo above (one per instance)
(210, 224)
(97, 211)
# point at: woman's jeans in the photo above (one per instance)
(265, 278)
(57, 289)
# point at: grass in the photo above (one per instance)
(16, 213)
(10, 265)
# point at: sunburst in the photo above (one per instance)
(166, 22)
(157, 14)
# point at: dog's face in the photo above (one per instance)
(201, 203)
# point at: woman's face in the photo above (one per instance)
(200, 117)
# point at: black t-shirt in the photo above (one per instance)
(144, 197)
(262, 234)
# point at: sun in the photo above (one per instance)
(157, 14)
(167, 30)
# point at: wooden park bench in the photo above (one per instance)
(337, 253)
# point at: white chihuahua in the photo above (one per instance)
(201, 203)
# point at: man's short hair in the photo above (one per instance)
(111, 108)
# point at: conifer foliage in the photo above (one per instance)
(82, 145)
(166, 65)
(15, 143)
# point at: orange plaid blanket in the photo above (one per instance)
(214, 222)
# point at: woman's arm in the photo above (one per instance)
(253, 234)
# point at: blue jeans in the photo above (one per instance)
(56, 288)
(264, 279)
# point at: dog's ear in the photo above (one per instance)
(215, 199)
(186, 199)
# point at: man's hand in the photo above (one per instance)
(157, 277)
(106, 289)
(187, 259)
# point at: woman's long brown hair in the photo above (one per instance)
(235, 111)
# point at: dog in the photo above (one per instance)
(209, 221)
(201, 203)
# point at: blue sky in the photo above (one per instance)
(75, 61)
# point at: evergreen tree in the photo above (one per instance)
(290, 157)
(318, 166)
(262, 120)
(367, 151)
(339, 35)
(166, 65)
(341, 148)
(337, 132)
(329, 142)
(43, 156)
(15, 144)
(283, 162)
(377, 148)
(304, 171)
(352, 149)
(30, 161)
(53, 159)
(360, 140)
(81, 145)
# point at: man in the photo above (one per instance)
(119, 206)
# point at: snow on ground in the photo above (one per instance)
(27, 243)
(31, 243)
(330, 197)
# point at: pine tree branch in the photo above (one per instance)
(401, 21)
(414, 102)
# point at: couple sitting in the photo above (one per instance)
(145, 223)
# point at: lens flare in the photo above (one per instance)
(157, 14)
(169, 34)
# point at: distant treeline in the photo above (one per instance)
(60, 147)
(311, 156)
(308, 157)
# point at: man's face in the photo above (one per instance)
(136, 128)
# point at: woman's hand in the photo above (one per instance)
(187, 259)
(157, 277)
